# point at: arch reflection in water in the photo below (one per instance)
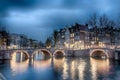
(58, 62)
(19, 56)
(99, 67)
(18, 68)
(41, 65)
(61, 69)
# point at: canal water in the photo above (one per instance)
(61, 69)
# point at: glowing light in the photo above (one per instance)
(65, 70)
(41, 65)
(58, 62)
(73, 66)
(81, 69)
(92, 42)
(19, 67)
(100, 66)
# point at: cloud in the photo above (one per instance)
(42, 16)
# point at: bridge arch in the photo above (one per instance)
(45, 52)
(59, 52)
(99, 52)
(17, 51)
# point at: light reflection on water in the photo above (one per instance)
(19, 67)
(61, 69)
(81, 69)
(41, 65)
(99, 67)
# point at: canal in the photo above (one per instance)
(60, 69)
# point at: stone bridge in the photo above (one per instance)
(7, 54)
(103, 52)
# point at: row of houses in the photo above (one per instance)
(72, 37)
(81, 37)
(16, 41)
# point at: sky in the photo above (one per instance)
(38, 18)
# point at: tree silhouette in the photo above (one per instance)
(48, 42)
(55, 37)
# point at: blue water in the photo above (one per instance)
(61, 69)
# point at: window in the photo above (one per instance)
(72, 35)
(63, 36)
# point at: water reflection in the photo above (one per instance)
(19, 67)
(65, 70)
(99, 67)
(76, 69)
(58, 62)
(81, 69)
(41, 65)
(61, 69)
(72, 69)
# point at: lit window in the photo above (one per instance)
(63, 36)
(72, 34)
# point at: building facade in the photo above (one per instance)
(74, 37)
(18, 41)
(104, 37)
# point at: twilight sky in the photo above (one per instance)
(38, 18)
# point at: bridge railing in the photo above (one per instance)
(22, 49)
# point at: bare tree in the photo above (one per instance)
(93, 23)
(111, 31)
(4, 36)
(93, 20)
(103, 21)
(102, 27)
(48, 42)
(55, 37)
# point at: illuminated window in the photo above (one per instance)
(63, 36)
(72, 35)
(108, 35)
